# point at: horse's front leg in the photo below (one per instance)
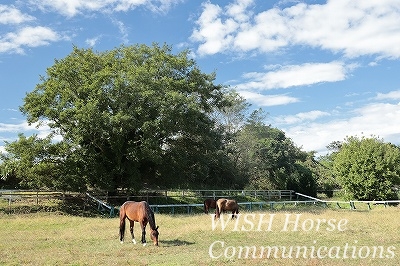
(131, 229)
(143, 233)
(218, 212)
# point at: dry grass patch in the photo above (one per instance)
(49, 239)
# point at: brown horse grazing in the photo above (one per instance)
(226, 205)
(209, 203)
(138, 212)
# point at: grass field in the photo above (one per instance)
(310, 235)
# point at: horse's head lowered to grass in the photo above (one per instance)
(138, 212)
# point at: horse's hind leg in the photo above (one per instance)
(235, 213)
(121, 230)
(131, 229)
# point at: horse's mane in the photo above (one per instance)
(150, 216)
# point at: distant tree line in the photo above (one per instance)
(142, 117)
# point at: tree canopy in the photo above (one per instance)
(368, 168)
(130, 113)
(270, 160)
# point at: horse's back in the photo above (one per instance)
(227, 204)
(134, 210)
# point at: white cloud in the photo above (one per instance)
(353, 28)
(21, 127)
(216, 33)
(124, 5)
(239, 10)
(267, 100)
(393, 95)
(375, 119)
(122, 29)
(71, 8)
(160, 6)
(92, 41)
(11, 15)
(27, 37)
(295, 75)
(301, 117)
(9, 132)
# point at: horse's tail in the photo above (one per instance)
(205, 207)
(150, 216)
(122, 223)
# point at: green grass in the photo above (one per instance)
(56, 239)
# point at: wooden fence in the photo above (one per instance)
(269, 199)
(207, 193)
(34, 197)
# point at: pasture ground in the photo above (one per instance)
(341, 236)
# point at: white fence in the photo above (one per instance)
(268, 199)
(352, 203)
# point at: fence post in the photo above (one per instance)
(9, 204)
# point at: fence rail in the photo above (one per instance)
(352, 203)
(217, 193)
(270, 199)
(250, 205)
(36, 196)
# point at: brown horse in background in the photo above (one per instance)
(138, 212)
(226, 205)
(209, 203)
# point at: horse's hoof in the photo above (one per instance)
(144, 244)
(134, 241)
(121, 242)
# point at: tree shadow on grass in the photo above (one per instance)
(175, 242)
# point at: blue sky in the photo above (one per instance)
(321, 70)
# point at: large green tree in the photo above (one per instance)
(132, 116)
(368, 168)
(270, 160)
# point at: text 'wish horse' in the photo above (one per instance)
(138, 212)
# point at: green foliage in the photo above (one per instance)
(232, 116)
(302, 180)
(322, 169)
(368, 168)
(129, 114)
(270, 159)
(38, 163)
